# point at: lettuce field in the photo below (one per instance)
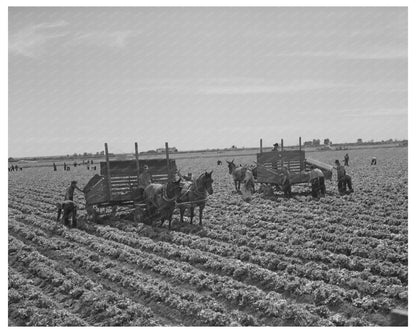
(337, 261)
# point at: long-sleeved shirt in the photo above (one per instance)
(145, 179)
(69, 194)
(341, 172)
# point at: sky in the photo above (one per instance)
(203, 77)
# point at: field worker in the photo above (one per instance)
(373, 160)
(343, 179)
(275, 147)
(69, 206)
(346, 159)
(285, 184)
(317, 180)
(145, 179)
(54, 166)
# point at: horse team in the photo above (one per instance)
(179, 193)
(187, 194)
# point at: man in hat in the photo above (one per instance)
(343, 179)
(145, 179)
(275, 147)
(69, 206)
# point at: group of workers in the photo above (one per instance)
(317, 180)
(15, 168)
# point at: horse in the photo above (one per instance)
(239, 175)
(195, 194)
(162, 198)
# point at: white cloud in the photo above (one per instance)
(265, 87)
(31, 41)
(113, 39)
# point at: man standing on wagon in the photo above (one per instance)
(145, 179)
(343, 179)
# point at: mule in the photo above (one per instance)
(239, 176)
(162, 199)
(194, 194)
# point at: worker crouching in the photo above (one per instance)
(317, 180)
(344, 180)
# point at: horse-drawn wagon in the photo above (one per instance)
(118, 183)
(270, 165)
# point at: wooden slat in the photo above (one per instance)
(275, 156)
(121, 182)
(129, 167)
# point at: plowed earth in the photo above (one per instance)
(342, 260)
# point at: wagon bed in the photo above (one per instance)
(117, 183)
(270, 165)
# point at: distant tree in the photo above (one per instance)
(316, 142)
(359, 141)
(327, 142)
(233, 147)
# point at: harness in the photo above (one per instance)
(195, 188)
(165, 195)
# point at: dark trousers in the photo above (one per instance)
(287, 189)
(318, 186)
(344, 183)
(70, 211)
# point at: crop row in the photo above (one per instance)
(205, 309)
(29, 306)
(319, 292)
(236, 293)
(95, 305)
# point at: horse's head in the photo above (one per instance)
(205, 181)
(231, 166)
(174, 188)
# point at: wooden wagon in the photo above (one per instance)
(117, 183)
(270, 164)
